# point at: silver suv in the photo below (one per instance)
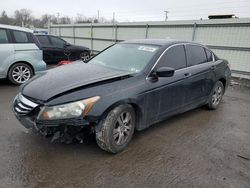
(20, 57)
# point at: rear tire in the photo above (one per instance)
(116, 129)
(20, 73)
(216, 96)
(84, 56)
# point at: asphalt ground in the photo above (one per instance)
(199, 148)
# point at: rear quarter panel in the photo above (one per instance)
(222, 71)
(30, 53)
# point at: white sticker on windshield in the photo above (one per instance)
(134, 70)
(147, 48)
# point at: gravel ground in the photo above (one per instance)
(199, 148)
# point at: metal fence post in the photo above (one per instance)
(116, 27)
(146, 33)
(74, 34)
(49, 27)
(59, 31)
(91, 34)
(194, 30)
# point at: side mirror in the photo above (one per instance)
(67, 44)
(165, 72)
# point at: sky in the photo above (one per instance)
(131, 10)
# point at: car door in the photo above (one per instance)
(167, 94)
(59, 49)
(6, 51)
(199, 76)
(24, 43)
(46, 46)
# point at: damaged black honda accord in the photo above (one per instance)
(128, 86)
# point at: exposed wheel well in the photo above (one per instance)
(223, 80)
(138, 112)
(85, 51)
(24, 63)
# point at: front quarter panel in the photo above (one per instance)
(112, 94)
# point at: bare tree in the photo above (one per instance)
(64, 20)
(80, 18)
(4, 19)
(104, 20)
(23, 17)
(46, 18)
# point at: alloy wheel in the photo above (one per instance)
(122, 128)
(21, 74)
(217, 95)
(84, 56)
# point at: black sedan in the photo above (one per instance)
(56, 49)
(127, 87)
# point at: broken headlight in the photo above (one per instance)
(69, 110)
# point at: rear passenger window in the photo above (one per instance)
(58, 42)
(3, 36)
(20, 37)
(174, 57)
(44, 40)
(209, 55)
(197, 55)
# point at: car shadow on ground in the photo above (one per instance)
(5, 82)
(90, 146)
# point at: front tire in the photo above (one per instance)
(20, 73)
(116, 129)
(216, 95)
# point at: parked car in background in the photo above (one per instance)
(20, 57)
(56, 49)
(127, 87)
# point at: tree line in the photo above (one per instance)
(25, 18)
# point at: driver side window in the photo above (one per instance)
(174, 57)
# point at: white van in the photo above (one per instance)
(20, 57)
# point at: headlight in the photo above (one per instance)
(69, 110)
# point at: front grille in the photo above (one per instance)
(70, 122)
(23, 106)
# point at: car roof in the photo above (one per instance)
(16, 28)
(43, 34)
(159, 42)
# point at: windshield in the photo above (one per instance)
(127, 57)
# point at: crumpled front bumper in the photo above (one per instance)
(31, 122)
(65, 131)
(27, 116)
(26, 121)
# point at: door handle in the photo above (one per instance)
(213, 67)
(187, 75)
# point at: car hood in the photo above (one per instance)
(65, 78)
